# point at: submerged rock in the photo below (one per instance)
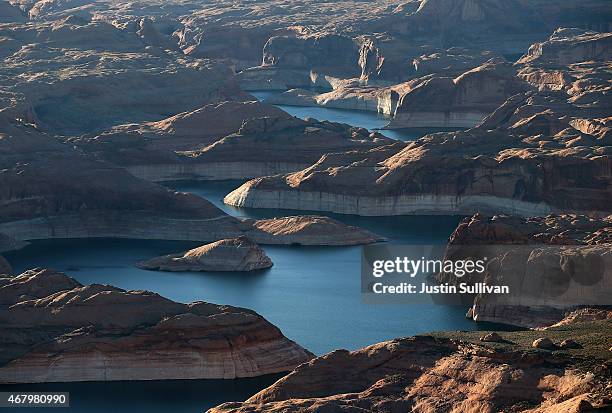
(53, 329)
(234, 254)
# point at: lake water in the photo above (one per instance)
(311, 293)
(369, 120)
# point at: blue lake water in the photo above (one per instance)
(369, 120)
(311, 293)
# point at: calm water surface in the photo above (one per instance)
(369, 120)
(311, 293)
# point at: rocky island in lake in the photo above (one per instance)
(234, 254)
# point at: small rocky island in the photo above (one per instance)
(233, 254)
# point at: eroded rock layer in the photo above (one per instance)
(551, 265)
(55, 329)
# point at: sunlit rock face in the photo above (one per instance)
(233, 254)
(543, 148)
(228, 140)
(408, 374)
(71, 332)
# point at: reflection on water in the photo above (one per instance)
(368, 120)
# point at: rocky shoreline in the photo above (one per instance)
(57, 330)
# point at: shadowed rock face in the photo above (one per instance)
(71, 332)
(79, 196)
(460, 102)
(74, 75)
(235, 254)
(426, 374)
(551, 264)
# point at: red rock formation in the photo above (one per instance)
(426, 374)
(551, 264)
(70, 332)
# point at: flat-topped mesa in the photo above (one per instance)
(492, 171)
(310, 230)
(234, 254)
(452, 371)
(462, 102)
(70, 332)
(551, 265)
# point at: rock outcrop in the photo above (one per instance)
(234, 254)
(453, 173)
(462, 102)
(230, 140)
(551, 265)
(55, 329)
(79, 196)
(311, 230)
(543, 150)
(266, 146)
(76, 76)
(447, 372)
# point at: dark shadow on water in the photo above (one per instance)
(163, 396)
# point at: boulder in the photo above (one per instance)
(569, 344)
(543, 343)
(491, 338)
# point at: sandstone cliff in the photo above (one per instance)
(551, 264)
(55, 329)
(545, 149)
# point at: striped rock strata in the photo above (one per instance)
(54, 329)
